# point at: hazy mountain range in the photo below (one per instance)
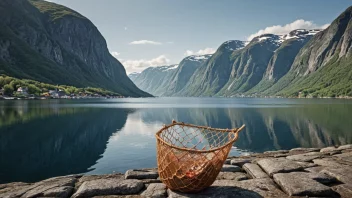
(308, 63)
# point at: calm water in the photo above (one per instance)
(41, 139)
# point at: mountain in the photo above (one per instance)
(184, 72)
(302, 63)
(154, 79)
(323, 67)
(51, 43)
(168, 80)
(210, 77)
(283, 57)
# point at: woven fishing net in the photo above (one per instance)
(190, 157)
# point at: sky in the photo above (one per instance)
(143, 33)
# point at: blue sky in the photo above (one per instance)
(142, 33)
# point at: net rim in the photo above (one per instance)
(174, 123)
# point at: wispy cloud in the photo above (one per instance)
(284, 29)
(145, 42)
(125, 28)
(140, 65)
(207, 50)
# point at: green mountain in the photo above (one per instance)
(323, 67)
(51, 43)
(308, 63)
(209, 78)
(283, 57)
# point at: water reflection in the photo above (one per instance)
(41, 139)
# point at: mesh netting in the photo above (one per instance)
(190, 157)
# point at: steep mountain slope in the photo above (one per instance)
(283, 57)
(184, 72)
(154, 80)
(48, 42)
(209, 78)
(249, 64)
(323, 67)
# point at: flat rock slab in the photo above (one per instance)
(276, 152)
(280, 165)
(53, 187)
(347, 146)
(141, 174)
(230, 188)
(305, 157)
(264, 187)
(329, 149)
(216, 192)
(345, 190)
(238, 176)
(109, 187)
(332, 162)
(345, 156)
(155, 191)
(254, 171)
(96, 177)
(230, 168)
(227, 161)
(299, 184)
(303, 150)
(343, 174)
(240, 161)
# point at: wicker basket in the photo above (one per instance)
(190, 157)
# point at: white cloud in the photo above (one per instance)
(145, 42)
(115, 54)
(170, 42)
(278, 29)
(140, 65)
(125, 28)
(207, 50)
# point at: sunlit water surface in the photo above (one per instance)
(42, 139)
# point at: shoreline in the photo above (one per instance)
(297, 172)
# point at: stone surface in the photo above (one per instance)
(276, 152)
(227, 161)
(345, 156)
(299, 184)
(95, 177)
(344, 190)
(216, 192)
(155, 191)
(238, 176)
(64, 191)
(264, 187)
(347, 146)
(254, 171)
(343, 174)
(303, 150)
(230, 188)
(240, 161)
(316, 169)
(279, 165)
(332, 162)
(328, 149)
(141, 174)
(230, 168)
(56, 187)
(305, 157)
(109, 187)
(322, 177)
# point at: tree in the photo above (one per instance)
(8, 90)
(32, 89)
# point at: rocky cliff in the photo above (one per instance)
(51, 43)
